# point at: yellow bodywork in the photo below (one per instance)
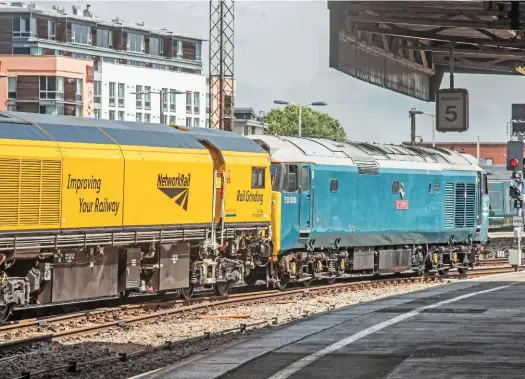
(242, 202)
(92, 185)
(30, 176)
(52, 185)
(153, 195)
(276, 222)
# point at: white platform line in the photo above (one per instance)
(301, 363)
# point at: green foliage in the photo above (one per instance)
(314, 124)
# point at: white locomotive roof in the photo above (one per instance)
(322, 151)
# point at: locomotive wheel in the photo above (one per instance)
(187, 293)
(222, 288)
(5, 312)
(462, 270)
(330, 280)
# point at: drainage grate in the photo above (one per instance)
(454, 310)
(395, 310)
(432, 310)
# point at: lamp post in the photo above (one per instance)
(313, 104)
(161, 93)
(412, 113)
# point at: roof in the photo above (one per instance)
(405, 46)
(323, 151)
(18, 7)
(89, 130)
(222, 140)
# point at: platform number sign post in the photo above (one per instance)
(452, 110)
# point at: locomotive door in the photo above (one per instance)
(305, 199)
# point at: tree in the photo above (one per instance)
(315, 124)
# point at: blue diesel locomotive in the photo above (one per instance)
(341, 209)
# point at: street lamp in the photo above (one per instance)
(413, 111)
(161, 93)
(313, 104)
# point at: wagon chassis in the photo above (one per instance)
(91, 265)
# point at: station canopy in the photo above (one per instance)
(407, 46)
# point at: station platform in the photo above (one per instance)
(471, 329)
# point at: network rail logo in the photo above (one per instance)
(176, 188)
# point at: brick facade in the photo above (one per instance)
(497, 151)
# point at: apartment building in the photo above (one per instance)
(128, 60)
(46, 84)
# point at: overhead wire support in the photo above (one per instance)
(222, 81)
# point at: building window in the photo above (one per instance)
(156, 46)
(172, 100)
(78, 110)
(196, 122)
(81, 34)
(97, 91)
(138, 90)
(207, 122)
(78, 95)
(164, 119)
(48, 109)
(147, 117)
(105, 38)
(188, 121)
(207, 102)
(111, 115)
(121, 92)
(172, 120)
(24, 26)
(178, 49)
(121, 115)
(147, 98)
(138, 117)
(489, 161)
(246, 130)
(51, 30)
(11, 91)
(52, 87)
(111, 94)
(96, 113)
(198, 47)
(188, 102)
(135, 42)
(257, 177)
(164, 99)
(196, 102)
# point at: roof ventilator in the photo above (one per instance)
(366, 167)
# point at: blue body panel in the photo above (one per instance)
(362, 211)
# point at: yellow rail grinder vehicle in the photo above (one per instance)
(95, 208)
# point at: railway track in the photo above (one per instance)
(492, 262)
(75, 325)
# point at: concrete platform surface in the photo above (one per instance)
(472, 329)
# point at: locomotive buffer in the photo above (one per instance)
(516, 191)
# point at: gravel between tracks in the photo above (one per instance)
(111, 342)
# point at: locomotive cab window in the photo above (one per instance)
(291, 183)
(334, 185)
(257, 177)
(275, 171)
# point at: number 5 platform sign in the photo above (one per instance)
(452, 110)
